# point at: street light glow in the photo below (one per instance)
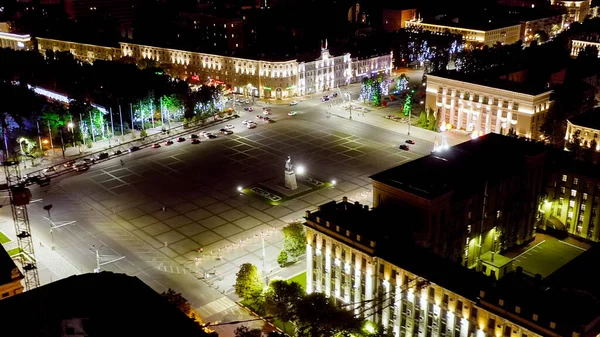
(333, 182)
(300, 170)
(239, 188)
(70, 125)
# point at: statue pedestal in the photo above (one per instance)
(290, 180)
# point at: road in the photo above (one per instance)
(117, 208)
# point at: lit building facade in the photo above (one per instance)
(326, 73)
(508, 34)
(344, 263)
(484, 109)
(10, 276)
(576, 11)
(368, 66)
(395, 19)
(81, 51)
(572, 203)
(530, 27)
(16, 41)
(586, 128)
(248, 77)
(579, 45)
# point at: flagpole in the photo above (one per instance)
(121, 118)
(112, 125)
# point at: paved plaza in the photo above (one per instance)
(207, 229)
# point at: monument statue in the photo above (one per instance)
(290, 175)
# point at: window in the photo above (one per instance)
(459, 306)
(5, 295)
(562, 190)
(535, 317)
(573, 193)
(431, 293)
(474, 313)
(552, 325)
(501, 302)
(570, 215)
(518, 309)
(571, 203)
(564, 177)
(575, 181)
(584, 196)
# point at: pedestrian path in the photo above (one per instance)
(215, 307)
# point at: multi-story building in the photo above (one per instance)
(572, 202)
(576, 10)
(81, 51)
(480, 33)
(548, 23)
(578, 45)
(358, 257)
(16, 41)
(395, 19)
(365, 66)
(482, 104)
(216, 32)
(10, 276)
(476, 197)
(123, 11)
(277, 79)
(325, 73)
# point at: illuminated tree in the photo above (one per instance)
(294, 239)
(408, 103)
(402, 83)
(376, 93)
(248, 284)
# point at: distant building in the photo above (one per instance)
(586, 128)
(123, 11)
(359, 258)
(217, 32)
(369, 65)
(478, 33)
(577, 45)
(484, 104)
(395, 19)
(16, 41)
(10, 276)
(477, 197)
(81, 51)
(576, 10)
(102, 304)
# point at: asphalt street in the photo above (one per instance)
(118, 209)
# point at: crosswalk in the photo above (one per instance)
(172, 269)
(215, 307)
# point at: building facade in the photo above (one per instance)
(10, 276)
(572, 203)
(16, 41)
(586, 129)
(508, 34)
(325, 73)
(368, 66)
(576, 10)
(343, 263)
(483, 109)
(548, 25)
(395, 19)
(579, 45)
(81, 51)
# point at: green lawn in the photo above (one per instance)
(14, 251)
(4, 239)
(287, 327)
(300, 278)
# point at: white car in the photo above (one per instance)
(292, 113)
(251, 125)
(247, 101)
(292, 103)
(245, 122)
(265, 112)
(229, 126)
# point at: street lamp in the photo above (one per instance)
(300, 170)
(239, 188)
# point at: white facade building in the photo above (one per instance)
(578, 45)
(16, 41)
(483, 109)
(367, 66)
(325, 73)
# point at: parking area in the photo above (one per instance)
(547, 256)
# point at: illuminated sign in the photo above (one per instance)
(267, 88)
(195, 78)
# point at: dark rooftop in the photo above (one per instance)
(590, 119)
(490, 78)
(393, 244)
(8, 270)
(486, 158)
(110, 304)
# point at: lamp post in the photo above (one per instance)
(71, 126)
(62, 141)
(264, 270)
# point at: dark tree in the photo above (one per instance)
(282, 299)
(177, 300)
(319, 317)
(244, 331)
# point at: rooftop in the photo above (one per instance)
(8, 269)
(490, 78)
(392, 242)
(481, 25)
(486, 158)
(110, 304)
(590, 119)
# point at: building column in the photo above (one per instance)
(452, 112)
(357, 288)
(338, 278)
(348, 284)
(397, 309)
(319, 269)
(424, 313)
(385, 313)
(450, 323)
(369, 287)
(435, 326)
(309, 269)
(460, 113)
(328, 269)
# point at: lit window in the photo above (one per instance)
(232, 35)
(575, 181)
(562, 190)
(552, 325)
(564, 177)
(571, 203)
(584, 196)
(236, 45)
(573, 193)
(570, 215)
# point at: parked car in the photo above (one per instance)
(403, 147)
(102, 155)
(155, 145)
(117, 152)
(229, 126)
(225, 131)
(134, 148)
(292, 113)
(69, 164)
(194, 136)
(292, 103)
(195, 141)
(251, 125)
(180, 139)
(50, 169)
(211, 136)
(89, 161)
(410, 141)
(249, 109)
(81, 166)
(169, 142)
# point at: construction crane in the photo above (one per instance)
(20, 196)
